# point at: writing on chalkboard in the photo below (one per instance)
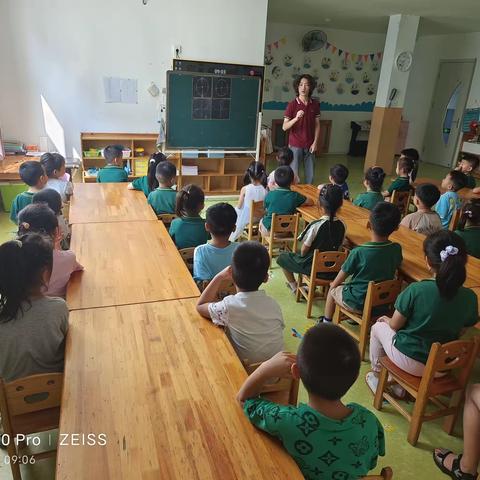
(211, 98)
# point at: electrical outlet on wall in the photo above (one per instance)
(176, 51)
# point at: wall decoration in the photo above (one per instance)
(287, 86)
(365, 77)
(276, 44)
(296, 72)
(326, 61)
(375, 65)
(355, 90)
(358, 65)
(321, 88)
(340, 88)
(349, 78)
(266, 84)
(287, 60)
(276, 72)
(315, 74)
(307, 62)
(326, 106)
(268, 59)
(334, 75)
(370, 89)
(345, 64)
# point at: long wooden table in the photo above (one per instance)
(108, 202)
(10, 165)
(160, 382)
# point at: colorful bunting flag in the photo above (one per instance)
(354, 56)
(372, 56)
(276, 44)
(334, 48)
(283, 40)
(340, 51)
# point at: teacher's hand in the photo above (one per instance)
(313, 147)
(299, 114)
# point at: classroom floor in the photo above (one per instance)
(407, 462)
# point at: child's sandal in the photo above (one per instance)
(455, 473)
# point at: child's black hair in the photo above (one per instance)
(51, 198)
(190, 201)
(112, 152)
(255, 172)
(30, 172)
(470, 214)
(406, 165)
(284, 156)
(450, 272)
(411, 153)
(330, 199)
(473, 160)
(37, 217)
(165, 172)
(52, 162)
(375, 176)
(339, 173)
(284, 176)
(458, 179)
(428, 194)
(23, 263)
(311, 82)
(384, 218)
(155, 159)
(221, 218)
(328, 361)
(250, 263)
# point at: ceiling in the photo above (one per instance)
(437, 16)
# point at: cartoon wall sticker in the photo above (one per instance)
(355, 90)
(370, 89)
(340, 88)
(315, 74)
(286, 86)
(267, 84)
(326, 61)
(365, 77)
(296, 72)
(287, 60)
(268, 59)
(375, 65)
(321, 88)
(345, 64)
(307, 62)
(349, 78)
(276, 72)
(334, 74)
(359, 65)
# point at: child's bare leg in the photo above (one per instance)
(288, 275)
(471, 431)
(329, 307)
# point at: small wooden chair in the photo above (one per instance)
(283, 232)
(30, 405)
(167, 219)
(187, 257)
(385, 474)
(378, 294)
(452, 226)
(256, 213)
(402, 200)
(443, 359)
(227, 287)
(323, 262)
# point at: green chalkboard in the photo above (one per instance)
(211, 111)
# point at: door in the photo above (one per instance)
(446, 113)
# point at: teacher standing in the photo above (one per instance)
(302, 120)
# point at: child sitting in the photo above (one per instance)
(326, 234)
(33, 174)
(54, 165)
(113, 172)
(467, 166)
(373, 182)
(211, 258)
(163, 198)
(429, 311)
(404, 170)
(376, 261)
(189, 229)
(282, 200)
(424, 220)
(338, 176)
(254, 191)
(149, 183)
(413, 155)
(253, 320)
(33, 327)
(450, 201)
(284, 158)
(326, 438)
(38, 217)
(469, 227)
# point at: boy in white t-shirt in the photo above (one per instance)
(54, 165)
(253, 320)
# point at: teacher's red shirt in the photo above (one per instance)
(302, 134)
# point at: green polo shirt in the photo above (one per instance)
(431, 318)
(162, 200)
(471, 237)
(112, 174)
(188, 232)
(19, 202)
(281, 201)
(372, 261)
(470, 181)
(368, 199)
(141, 184)
(402, 184)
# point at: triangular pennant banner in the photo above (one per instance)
(283, 40)
(340, 51)
(346, 55)
(366, 57)
(328, 46)
(334, 48)
(372, 56)
(379, 55)
(354, 56)
(276, 44)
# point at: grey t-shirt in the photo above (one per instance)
(34, 341)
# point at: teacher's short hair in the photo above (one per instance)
(311, 82)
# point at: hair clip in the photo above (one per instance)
(450, 250)
(26, 225)
(468, 213)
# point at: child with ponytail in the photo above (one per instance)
(469, 227)
(373, 182)
(149, 183)
(32, 326)
(429, 311)
(326, 234)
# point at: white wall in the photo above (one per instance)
(61, 49)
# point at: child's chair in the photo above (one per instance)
(385, 474)
(323, 262)
(256, 213)
(378, 294)
(452, 226)
(187, 257)
(167, 219)
(443, 359)
(227, 287)
(30, 405)
(283, 232)
(402, 201)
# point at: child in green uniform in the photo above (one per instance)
(33, 174)
(282, 200)
(429, 311)
(404, 169)
(376, 261)
(468, 165)
(373, 182)
(188, 230)
(326, 234)
(149, 182)
(469, 227)
(326, 438)
(163, 198)
(113, 172)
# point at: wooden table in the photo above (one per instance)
(9, 167)
(160, 382)
(125, 263)
(108, 202)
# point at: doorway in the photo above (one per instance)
(446, 113)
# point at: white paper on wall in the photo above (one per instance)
(120, 90)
